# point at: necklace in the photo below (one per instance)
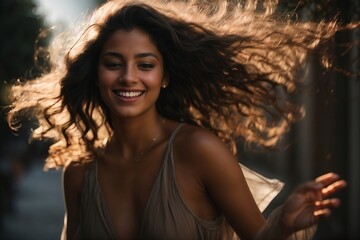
(153, 142)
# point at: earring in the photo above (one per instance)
(164, 85)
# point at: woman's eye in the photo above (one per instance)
(146, 66)
(113, 65)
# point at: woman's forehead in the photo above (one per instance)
(130, 38)
(130, 43)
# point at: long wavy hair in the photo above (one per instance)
(232, 69)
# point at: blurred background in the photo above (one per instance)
(327, 139)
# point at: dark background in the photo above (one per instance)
(327, 139)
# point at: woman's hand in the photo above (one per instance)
(309, 202)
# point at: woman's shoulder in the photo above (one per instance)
(73, 175)
(195, 136)
(200, 154)
(197, 144)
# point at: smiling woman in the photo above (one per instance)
(146, 105)
(131, 74)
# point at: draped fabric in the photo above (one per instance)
(166, 215)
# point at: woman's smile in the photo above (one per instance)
(128, 96)
(130, 73)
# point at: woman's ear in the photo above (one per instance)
(165, 81)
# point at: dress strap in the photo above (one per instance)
(175, 132)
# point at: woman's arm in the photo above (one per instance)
(217, 171)
(72, 184)
(223, 179)
(308, 204)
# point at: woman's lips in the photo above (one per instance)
(128, 96)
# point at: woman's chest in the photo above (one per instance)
(125, 193)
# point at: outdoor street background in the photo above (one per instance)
(327, 139)
(38, 207)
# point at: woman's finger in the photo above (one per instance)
(327, 203)
(332, 188)
(327, 178)
(322, 213)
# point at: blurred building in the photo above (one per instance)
(327, 139)
(31, 203)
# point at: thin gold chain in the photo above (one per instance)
(153, 142)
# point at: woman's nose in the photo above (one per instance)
(128, 75)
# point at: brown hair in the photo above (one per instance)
(231, 68)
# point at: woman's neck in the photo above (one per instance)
(134, 136)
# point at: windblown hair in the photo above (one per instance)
(232, 69)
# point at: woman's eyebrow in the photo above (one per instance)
(139, 55)
(146, 54)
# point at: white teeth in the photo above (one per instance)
(128, 94)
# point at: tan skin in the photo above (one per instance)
(130, 62)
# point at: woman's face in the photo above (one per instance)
(130, 73)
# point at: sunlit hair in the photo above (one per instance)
(231, 69)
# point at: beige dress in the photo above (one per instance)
(166, 215)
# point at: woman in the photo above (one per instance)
(146, 107)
